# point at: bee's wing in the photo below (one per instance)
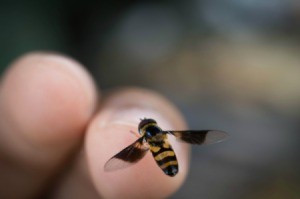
(128, 156)
(199, 137)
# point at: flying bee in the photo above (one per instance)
(155, 139)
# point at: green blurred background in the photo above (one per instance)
(227, 64)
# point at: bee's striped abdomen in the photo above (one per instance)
(165, 158)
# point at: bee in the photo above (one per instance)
(154, 138)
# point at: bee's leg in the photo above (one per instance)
(134, 133)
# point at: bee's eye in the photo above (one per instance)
(145, 121)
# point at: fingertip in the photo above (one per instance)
(49, 96)
(109, 133)
(46, 101)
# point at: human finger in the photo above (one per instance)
(46, 101)
(109, 133)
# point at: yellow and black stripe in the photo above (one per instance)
(165, 157)
(155, 139)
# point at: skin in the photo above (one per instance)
(57, 131)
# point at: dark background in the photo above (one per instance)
(227, 64)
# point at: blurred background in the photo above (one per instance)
(227, 64)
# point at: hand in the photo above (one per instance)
(57, 132)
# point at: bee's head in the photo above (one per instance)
(144, 122)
